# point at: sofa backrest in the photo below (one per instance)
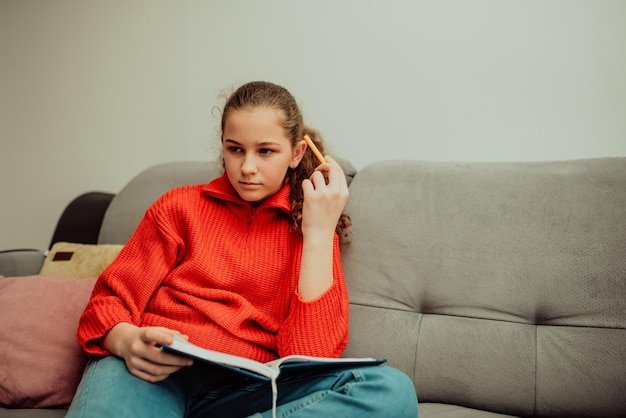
(497, 286)
(129, 206)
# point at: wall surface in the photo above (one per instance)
(93, 92)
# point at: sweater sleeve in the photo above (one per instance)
(318, 327)
(125, 287)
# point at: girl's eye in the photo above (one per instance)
(266, 151)
(234, 149)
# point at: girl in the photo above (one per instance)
(248, 264)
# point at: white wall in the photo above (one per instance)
(92, 92)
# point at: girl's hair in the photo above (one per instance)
(264, 94)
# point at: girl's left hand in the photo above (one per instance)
(324, 201)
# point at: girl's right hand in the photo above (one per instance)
(324, 200)
(140, 349)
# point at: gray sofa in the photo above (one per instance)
(500, 288)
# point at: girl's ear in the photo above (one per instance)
(298, 153)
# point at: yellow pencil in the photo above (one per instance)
(317, 152)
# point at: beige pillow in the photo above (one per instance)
(67, 259)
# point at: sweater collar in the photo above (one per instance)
(221, 188)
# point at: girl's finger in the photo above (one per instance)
(317, 179)
(334, 173)
(307, 186)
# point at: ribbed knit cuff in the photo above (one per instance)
(318, 327)
(95, 324)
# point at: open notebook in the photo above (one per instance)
(264, 371)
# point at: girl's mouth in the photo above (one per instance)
(249, 185)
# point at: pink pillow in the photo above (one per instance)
(41, 362)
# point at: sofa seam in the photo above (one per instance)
(536, 366)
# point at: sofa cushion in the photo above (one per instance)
(496, 286)
(41, 362)
(68, 259)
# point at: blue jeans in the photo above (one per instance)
(202, 391)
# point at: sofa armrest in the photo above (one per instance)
(21, 262)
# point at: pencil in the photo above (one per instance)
(317, 152)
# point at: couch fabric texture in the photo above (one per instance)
(499, 288)
(496, 286)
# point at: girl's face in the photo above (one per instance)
(257, 152)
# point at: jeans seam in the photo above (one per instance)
(345, 388)
(306, 403)
(358, 377)
(86, 393)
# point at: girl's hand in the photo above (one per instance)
(324, 201)
(140, 349)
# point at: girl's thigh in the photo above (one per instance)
(373, 391)
(107, 389)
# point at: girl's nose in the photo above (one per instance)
(248, 166)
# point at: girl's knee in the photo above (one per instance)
(397, 389)
(391, 378)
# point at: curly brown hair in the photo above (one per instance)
(262, 93)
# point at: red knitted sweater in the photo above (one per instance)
(210, 265)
